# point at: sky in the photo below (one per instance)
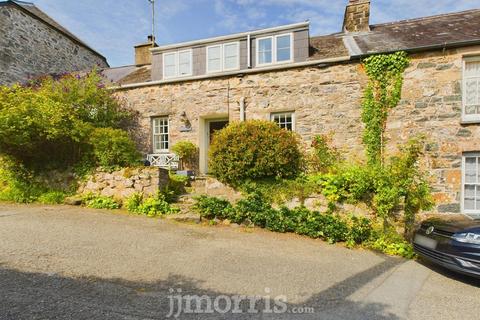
(113, 27)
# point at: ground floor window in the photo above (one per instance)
(285, 120)
(160, 134)
(471, 183)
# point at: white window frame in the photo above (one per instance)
(154, 147)
(222, 57)
(290, 113)
(274, 49)
(467, 117)
(462, 205)
(177, 64)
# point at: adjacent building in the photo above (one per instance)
(33, 44)
(314, 85)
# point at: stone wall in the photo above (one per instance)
(29, 48)
(125, 182)
(328, 100)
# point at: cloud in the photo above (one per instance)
(113, 27)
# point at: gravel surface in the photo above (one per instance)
(60, 262)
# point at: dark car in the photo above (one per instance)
(452, 243)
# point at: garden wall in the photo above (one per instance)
(123, 183)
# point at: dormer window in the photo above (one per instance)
(177, 64)
(223, 57)
(275, 49)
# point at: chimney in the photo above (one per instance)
(357, 16)
(143, 55)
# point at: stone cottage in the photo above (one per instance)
(33, 44)
(314, 85)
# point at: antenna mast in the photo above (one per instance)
(153, 22)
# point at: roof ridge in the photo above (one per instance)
(424, 18)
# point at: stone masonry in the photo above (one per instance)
(123, 183)
(29, 47)
(328, 101)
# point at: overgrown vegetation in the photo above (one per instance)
(352, 230)
(253, 150)
(65, 124)
(383, 93)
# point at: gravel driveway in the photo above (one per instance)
(61, 262)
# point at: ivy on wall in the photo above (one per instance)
(383, 93)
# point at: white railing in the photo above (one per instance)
(164, 160)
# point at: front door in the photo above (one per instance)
(212, 127)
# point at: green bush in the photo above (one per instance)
(47, 125)
(151, 207)
(113, 148)
(212, 207)
(100, 202)
(52, 197)
(254, 150)
(187, 151)
(390, 242)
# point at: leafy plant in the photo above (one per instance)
(52, 197)
(323, 156)
(100, 202)
(151, 207)
(252, 150)
(212, 207)
(383, 93)
(187, 151)
(113, 148)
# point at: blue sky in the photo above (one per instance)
(113, 27)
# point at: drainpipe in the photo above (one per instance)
(249, 52)
(242, 109)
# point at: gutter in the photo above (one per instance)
(320, 63)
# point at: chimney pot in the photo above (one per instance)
(143, 55)
(357, 16)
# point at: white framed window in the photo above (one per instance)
(285, 120)
(265, 50)
(231, 56)
(223, 57)
(471, 89)
(275, 49)
(177, 64)
(471, 183)
(160, 130)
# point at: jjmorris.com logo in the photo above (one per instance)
(180, 303)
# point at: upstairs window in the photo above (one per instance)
(285, 120)
(471, 89)
(160, 134)
(177, 64)
(223, 57)
(275, 49)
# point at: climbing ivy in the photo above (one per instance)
(383, 93)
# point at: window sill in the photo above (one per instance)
(469, 121)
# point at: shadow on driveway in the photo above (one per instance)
(34, 295)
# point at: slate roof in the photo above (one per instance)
(428, 33)
(128, 74)
(414, 35)
(34, 11)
